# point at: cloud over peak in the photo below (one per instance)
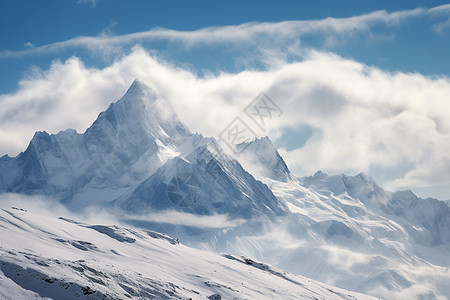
(361, 117)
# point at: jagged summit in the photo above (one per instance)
(320, 174)
(138, 92)
(261, 157)
(140, 95)
(360, 186)
(141, 111)
(137, 87)
(127, 142)
(130, 154)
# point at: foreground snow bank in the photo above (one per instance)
(43, 256)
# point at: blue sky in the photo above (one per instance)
(408, 48)
(396, 45)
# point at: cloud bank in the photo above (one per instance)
(361, 117)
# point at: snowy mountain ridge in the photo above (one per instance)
(226, 188)
(132, 138)
(121, 151)
(430, 214)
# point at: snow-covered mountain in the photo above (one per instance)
(129, 155)
(262, 158)
(426, 220)
(224, 187)
(393, 245)
(43, 256)
(139, 163)
(127, 143)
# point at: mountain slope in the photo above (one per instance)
(45, 256)
(221, 186)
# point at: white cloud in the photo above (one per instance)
(361, 116)
(186, 219)
(441, 11)
(28, 45)
(50, 207)
(441, 27)
(254, 33)
(93, 3)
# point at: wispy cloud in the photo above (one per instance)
(237, 34)
(28, 45)
(93, 3)
(441, 11)
(186, 219)
(441, 27)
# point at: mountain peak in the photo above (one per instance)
(138, 89)
(137, 83)
(320, 174)
(364, 177)
(142, 112)
(261, 156)
(40, 135)
(139, 95)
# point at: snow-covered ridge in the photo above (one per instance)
(58, 258)
(225, 188)
(427, 220)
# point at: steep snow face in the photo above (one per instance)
(426, 220)
(44, 257)
(34, 171)
(220, 184)
(262, 159)
(126, 144)
(431, 216)
(132, 138)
